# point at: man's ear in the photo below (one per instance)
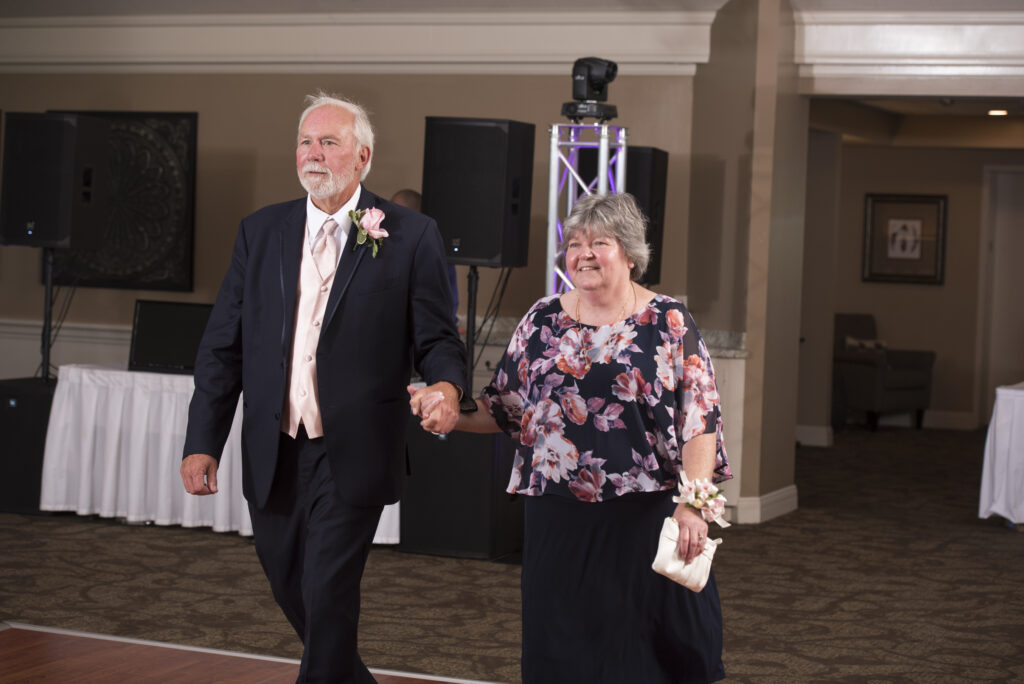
(364, 155)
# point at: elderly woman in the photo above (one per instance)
(609, 393)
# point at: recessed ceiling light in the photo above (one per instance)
(997, 112)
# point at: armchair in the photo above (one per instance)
(868, 377)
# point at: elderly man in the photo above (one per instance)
(328, 302)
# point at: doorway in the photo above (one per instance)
(1001, 321)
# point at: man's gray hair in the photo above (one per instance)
(362, 128)
(617, 216)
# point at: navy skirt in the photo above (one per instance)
(594, 610)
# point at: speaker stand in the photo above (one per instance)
(472, 283)
(47, 312)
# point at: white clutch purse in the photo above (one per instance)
(668, 563)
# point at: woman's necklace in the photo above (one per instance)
(585, 350)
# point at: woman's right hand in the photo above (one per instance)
(693, 532)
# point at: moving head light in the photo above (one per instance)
(590, 79)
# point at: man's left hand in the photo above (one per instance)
(437, 406)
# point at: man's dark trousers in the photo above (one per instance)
(313, 548)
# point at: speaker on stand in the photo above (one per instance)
(56, 180)
(54, 195)
(477, 185)
(55, 192)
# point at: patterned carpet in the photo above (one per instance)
(884, 574)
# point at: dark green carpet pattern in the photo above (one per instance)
(884, 574)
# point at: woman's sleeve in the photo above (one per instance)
(699, 410)
(505, 395)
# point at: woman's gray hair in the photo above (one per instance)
(362, 129)
(616, 216)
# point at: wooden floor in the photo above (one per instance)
(36, 654)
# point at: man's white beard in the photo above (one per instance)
(326, 187)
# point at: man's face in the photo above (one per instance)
(327, 157)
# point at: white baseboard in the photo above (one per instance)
(758, 509)
(814, 435)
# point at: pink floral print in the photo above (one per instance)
(604, 412)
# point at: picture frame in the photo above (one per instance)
(904, 238)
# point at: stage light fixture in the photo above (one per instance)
(590, 79)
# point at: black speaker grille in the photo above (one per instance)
(53, 191)
(477, 182)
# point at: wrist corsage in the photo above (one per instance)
(704, 496)
(368, 223)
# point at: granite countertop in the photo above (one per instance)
(725, 344)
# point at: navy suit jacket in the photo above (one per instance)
(384, 316)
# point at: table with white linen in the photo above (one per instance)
(114, 447)
(1002, 475)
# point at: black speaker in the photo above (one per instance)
(477, 181)
(56, 181)
(455, 502)
(24, 415)
(646, 177)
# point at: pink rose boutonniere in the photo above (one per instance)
(368, 222)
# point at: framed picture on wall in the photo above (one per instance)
(904, 238)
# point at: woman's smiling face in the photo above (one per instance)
(596, 260)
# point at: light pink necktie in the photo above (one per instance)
(325, 252)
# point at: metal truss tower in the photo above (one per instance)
(566, 185)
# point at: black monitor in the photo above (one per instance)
(165, 335)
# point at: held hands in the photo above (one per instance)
(199, 474)
(693, 532)
(436, 405)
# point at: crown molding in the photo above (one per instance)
(911, 81)
(837, 52)
(881, 52)
(535, 43)
(887, 18)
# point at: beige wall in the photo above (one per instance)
(720, 189)
(861, 150)
(246, 157)
(775, 256)
(942, 318)
(784, 269)
(824, 156)
(746, 219)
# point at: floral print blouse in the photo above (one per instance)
(603, 412)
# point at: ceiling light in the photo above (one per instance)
(997, 112)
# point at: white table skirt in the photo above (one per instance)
(1002, 476)
(114, 446)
